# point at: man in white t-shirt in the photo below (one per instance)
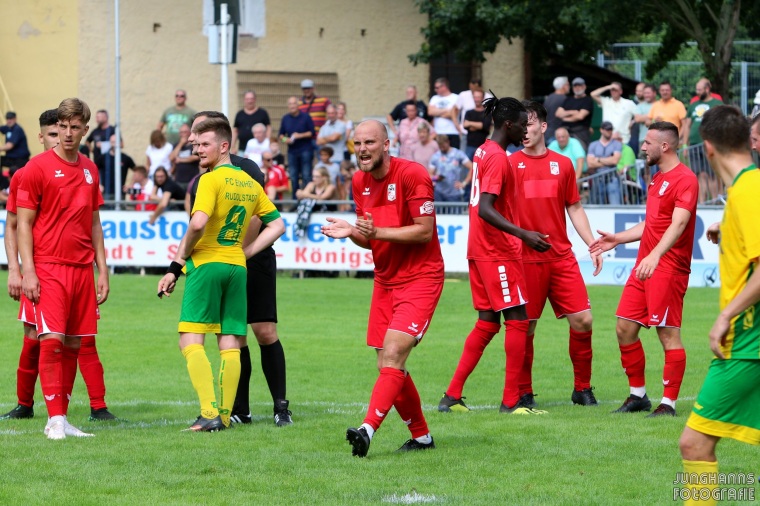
(442, 108)
(255, 147)
(617, 110)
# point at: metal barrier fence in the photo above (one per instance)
(625, 187)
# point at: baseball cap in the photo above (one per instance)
(10, 115)
(606, 125)
(578, 80)
(307, 83)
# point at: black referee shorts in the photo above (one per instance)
(262, 287)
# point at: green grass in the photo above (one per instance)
(573, 455)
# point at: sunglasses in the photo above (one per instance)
(267, 159)
(180, 96)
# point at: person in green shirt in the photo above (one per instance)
(695, 154)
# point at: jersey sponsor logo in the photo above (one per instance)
(366, 191)
(58, 173)
(427, 208)
(87, 176)
(520, 165)
(664, 187)
(391, 192)
(554, 168)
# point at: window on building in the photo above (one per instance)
(457, 72)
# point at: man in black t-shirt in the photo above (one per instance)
(478, 125)
(184, 162)
(248, 116)
(576, 112)
(399, 112)
(99, 144)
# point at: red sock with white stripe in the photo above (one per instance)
(409, 407)
(92, 372)
(51, 375)
(516, 336)
(634, 362)
(672, 375)
(387, 388)
(28, 369)
(581, 355)
(474, 345)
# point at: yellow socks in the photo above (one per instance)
(699, 472)
(202, 378)
(229, 376)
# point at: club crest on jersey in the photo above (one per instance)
(554, 168)
(87, 176)
(391, 192)
(664, 187)
(427, 208)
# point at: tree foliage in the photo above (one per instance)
(577, 30)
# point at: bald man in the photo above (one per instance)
(396, 221)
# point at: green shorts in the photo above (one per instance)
(215, 299)
(729, 403)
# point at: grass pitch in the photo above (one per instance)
(573, 455)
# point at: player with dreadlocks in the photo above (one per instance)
(494, 256)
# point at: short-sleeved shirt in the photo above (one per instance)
(339, 146)
(277, 177)
(405, 193)
(620, 113)
(65, 195)
(316, 108)
(184, 172)
(546, 187)
(475, 138)
(551, 104)
(573, 150)
(444, 125)
(101, 135)
(676, 188)
(695, 113)
(627, 159)
(229, 197)
(244, 123)
(643, 108)
(171, 186)
(299, 123)
(492, 173)
(739, 254)
(423, 153)
(672, 111)
(174, 118)
(16, 136)
(450, 166)
(573, 103)
(599, 150)
(10, 204)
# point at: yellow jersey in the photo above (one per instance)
(229, 197)
(739, 254)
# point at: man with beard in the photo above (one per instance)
(497, 280)
(396, 221)
(654, 292)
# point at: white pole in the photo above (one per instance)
(117, 131)
(225, 19)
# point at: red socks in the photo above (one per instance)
(634, 362)
(526, 374)
(26, 374)
(92, 372)
(672, 374)
(474, 345)
(69, 369)
(409, 407)
(514, 346)
(387, 389)
(580, 355)
(51, 375)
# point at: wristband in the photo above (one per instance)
(175, 268)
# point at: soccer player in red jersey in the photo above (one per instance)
(494, 254)
(26, 375)
(59, 237)
(547, 188)
(653, 294)
(396, 220)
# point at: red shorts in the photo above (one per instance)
(656, 302)
(68, 304)
(497, 285)
(26, 312)
(408, 309)
(561, 282)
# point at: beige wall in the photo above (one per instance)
(504, 70)
(38, 41)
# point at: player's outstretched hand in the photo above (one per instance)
(337, 228)
(713, 233)
(597, 261)
(646, 267)
(605, 242)
(536, 241)
(14, 285)
(166, 284)
(718, 334)
(366, 226)
(30, 287)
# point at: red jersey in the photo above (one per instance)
(10, 204)
(405, 193)
(64, 195)
(676, 188)
(276, 176)
(546, 186)
(492, 173)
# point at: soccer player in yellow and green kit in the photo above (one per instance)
(729, 403)
(213, 253)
